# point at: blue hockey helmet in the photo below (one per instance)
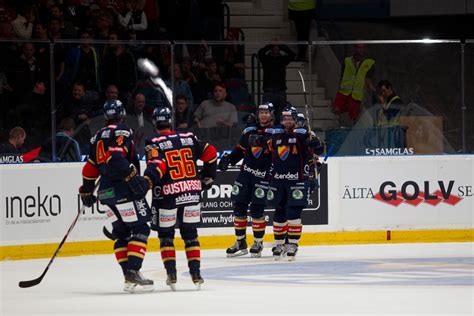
(266, 106)
(301, 120)
(114, 110)
(162, 117)
(290, 111)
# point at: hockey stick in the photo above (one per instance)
(149, 68)
(30, 283)
(305, 102)
(108, 234)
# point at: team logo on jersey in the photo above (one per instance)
(120, 140)
(259, 193)
(283, 152)
(257, 151)
(270, 195)
(297, 194)
(235, 189)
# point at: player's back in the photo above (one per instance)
(181, 184)
(112, 151)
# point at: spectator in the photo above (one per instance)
(211, 19)
(183, 115)
(118, 66)
(301, 12)
(356, 78)
(81, 111)
(216, 112)
(275, 58)
(103, 26)
(10, 151)
(67, 148)
(82, 64)
(23, 24)
(139, 121)
(391, 105)
(181, 87)
(40, 31)
(34, 108)
(233, 59)
(111, 93)
(74, 13)
(187, 71)
(134, 19)
(27, 70)
(207, 81)
(54, 28)
(67, 29)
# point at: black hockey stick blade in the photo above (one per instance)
(30, 283)
(108, 234)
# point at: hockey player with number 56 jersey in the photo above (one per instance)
(172, 167)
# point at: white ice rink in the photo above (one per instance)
(414, 279)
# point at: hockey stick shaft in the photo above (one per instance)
(30, 283)
(306, 106)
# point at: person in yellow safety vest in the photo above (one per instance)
(391, 105)
(301, 12)
(356, 77)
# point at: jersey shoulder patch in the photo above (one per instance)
(301, 131)
(249, 129)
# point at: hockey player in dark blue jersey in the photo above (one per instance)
(172, 167)
(112, 157)
(290, 182)
(251, 184)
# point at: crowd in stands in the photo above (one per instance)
(94, 62)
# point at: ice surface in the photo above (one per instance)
(428, 279)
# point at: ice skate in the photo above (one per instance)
(256, 249)
(291, 250)
(278, 251)
(238, 249)
(135, 282)
(197, 280)
(171, 281)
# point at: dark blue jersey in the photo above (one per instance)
(252, 147)
(112, 157)
(290, 154)
(172, 166)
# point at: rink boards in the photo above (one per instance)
(361, 200)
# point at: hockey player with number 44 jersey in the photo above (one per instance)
(112, 158)
(177, 185)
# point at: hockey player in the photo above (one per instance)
(112, 158)
(251, 184)
(172, 167)
(290, 184)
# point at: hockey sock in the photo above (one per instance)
(240, 225)
(136, 252)
(193, 254)
(294, 230)
(121, 254)
(168, 255)
(279, 232)
(258, 228)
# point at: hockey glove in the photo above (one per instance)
(206, 183)
(87, 198)
(138, 185)
(316, 145)
(224, 162)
